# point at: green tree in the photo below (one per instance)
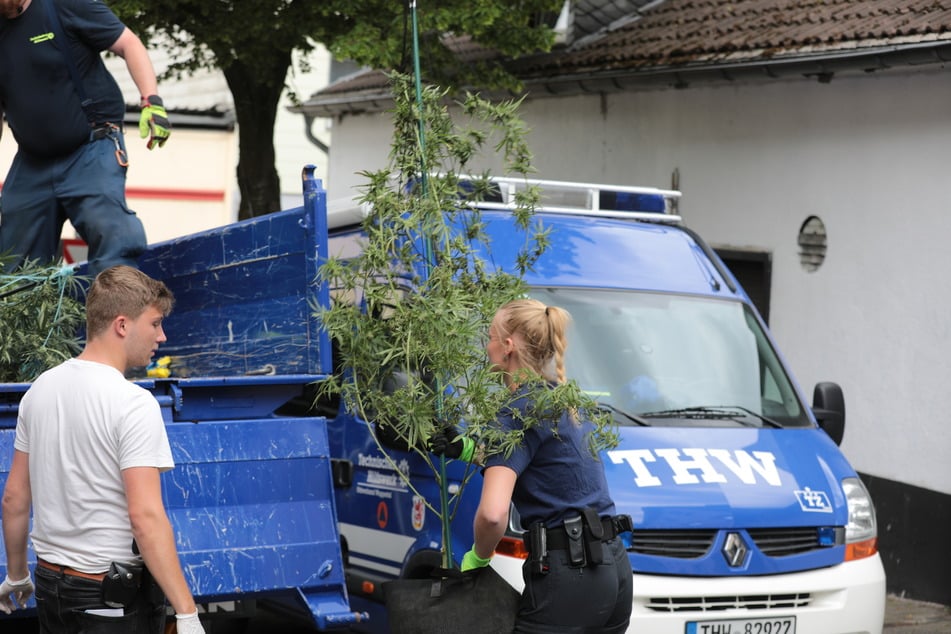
(412, 309)
(252, 42)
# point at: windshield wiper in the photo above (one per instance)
(631, 417)
(718, 412)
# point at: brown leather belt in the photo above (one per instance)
(71, 572)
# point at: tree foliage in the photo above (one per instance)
(253, 42)
(40, 319)
(412, 309)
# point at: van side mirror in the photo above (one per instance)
(828, 406)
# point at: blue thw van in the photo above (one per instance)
(748, 518)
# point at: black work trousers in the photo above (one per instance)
(586, 600)
(64, 603)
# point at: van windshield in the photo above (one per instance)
(675, 359)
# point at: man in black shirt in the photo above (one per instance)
(66, 111)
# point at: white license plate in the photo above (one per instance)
(780, 625)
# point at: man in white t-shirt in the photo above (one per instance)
(88, 452)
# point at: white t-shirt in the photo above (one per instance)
(83, 423)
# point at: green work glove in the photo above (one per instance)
(448, 443)
(153, 122)
(471, 561)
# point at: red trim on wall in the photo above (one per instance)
(207, 195)
(175, 194)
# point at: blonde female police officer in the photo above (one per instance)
(583, 583)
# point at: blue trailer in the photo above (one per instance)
(251, 498)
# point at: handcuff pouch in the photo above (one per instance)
(574, 529)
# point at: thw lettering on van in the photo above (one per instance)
(692, 465)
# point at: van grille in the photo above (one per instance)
(779, 542)
(772, 542)
(678, 544)
(716, 604)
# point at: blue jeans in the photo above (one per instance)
(86, 187)
(62, 602)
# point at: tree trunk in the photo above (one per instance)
(256, 99)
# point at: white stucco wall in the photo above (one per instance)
(867, 154)
(292, 147)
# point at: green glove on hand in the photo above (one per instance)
(471, 561)
(153, 122)
(442, 444)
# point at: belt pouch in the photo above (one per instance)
(574, 529)
(594, 535)
(121, 584)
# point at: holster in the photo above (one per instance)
(538, 548)
(623, 524)
(121, 584)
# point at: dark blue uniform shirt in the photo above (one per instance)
(37, 94)
(557, 473)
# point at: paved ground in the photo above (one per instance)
(902, 616)
(915, 617)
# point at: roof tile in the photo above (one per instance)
(622, 36)
(679, 32)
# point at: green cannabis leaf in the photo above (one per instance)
(40, 319)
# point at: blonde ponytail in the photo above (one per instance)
(541, 335)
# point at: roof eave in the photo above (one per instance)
(822, 66)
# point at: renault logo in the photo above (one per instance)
(735, 550)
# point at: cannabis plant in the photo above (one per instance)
(410, 312)
(40, 319)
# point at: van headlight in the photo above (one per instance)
(861, 533)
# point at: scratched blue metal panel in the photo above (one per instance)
(253, 510)
(243, 298)
(246, 294)
(225, 398)
(252, 506)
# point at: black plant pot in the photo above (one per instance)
(452, 602)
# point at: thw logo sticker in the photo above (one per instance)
(813, 501)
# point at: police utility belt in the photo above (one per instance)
(581, 536)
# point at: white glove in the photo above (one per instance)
(15, 592)
(189, 623)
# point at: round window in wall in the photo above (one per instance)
(812, 243)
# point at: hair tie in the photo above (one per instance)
(546, 311)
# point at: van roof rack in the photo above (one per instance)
(589, 199)
(561, 197)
